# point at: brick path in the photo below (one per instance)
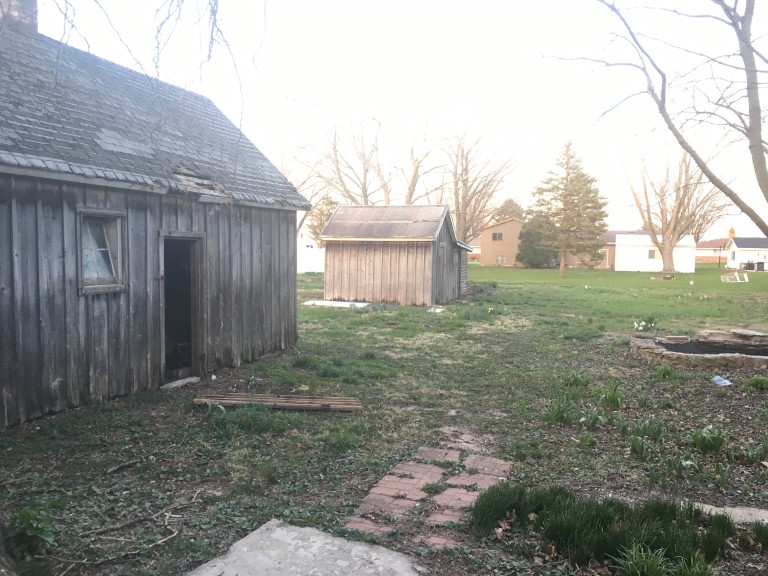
(394, 497)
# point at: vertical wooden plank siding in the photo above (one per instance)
(8, 414)
(26, 291)
(61, 348)
(52, 303)
(267, 274)
(236, 310)
(257, 306)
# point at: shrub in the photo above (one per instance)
(30, 532)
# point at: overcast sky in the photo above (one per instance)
(424, 69)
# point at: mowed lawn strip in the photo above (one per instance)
(529, 368)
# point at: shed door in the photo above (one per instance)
(180, 320)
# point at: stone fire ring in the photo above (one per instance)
(651, 350)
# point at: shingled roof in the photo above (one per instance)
(68, 114)
(750, 243)
(388, 223)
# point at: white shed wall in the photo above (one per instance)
(632, 251)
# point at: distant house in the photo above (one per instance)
(142, 236)
(406, 255)
(747, 253)
(711, 251)
(499, 243)
(635, 252)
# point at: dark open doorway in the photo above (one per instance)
(179, 313)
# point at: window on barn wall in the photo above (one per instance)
(102, 242)
(497, 237)
(651, 254)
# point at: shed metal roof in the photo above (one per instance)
(389, 223)
(68, 114)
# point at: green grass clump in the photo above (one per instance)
(640, 560)
(494, 503)
(761, 534)
(611, 398)
(251, 419)
(650, 428)
(665, 371)
(708, 439)
(757, 383)
(657, 533)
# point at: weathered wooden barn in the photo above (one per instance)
(142, 236)
(406, 255)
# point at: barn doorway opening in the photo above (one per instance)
(179, 308)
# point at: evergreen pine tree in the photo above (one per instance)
(571, 203)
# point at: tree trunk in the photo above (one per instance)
(667, 259)
(562, 264)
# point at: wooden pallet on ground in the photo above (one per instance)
(284, 401)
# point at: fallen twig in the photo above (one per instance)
(128, 523)
(123, 466)
(164, 540)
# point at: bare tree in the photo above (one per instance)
(353, 172)
(673, 209)
(354, 176)
(473, 182)
(732, 101)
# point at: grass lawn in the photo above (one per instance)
(529, 367)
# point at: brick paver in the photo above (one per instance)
(438, 454)
(447, 515)
(456, 498)
(425, 473)
(483, 481)
(487, 465)
(396, 494)
(365, 525)
(440, 542)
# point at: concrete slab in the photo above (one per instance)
(739, 514)
(279, 549)
(336, 304)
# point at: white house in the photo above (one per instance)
(747, 253)
(309, 257)
(636, 253)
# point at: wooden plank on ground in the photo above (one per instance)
(284, 402)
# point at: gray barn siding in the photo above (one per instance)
(446, 269)
(381, 272)
(59, 349)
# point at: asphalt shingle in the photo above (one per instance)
(68, 111)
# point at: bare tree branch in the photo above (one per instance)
(740, 25)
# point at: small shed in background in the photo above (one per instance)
(407, 255)
(636, 252)
(747, 253)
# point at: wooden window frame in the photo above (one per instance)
(497, 236)
(119, 255)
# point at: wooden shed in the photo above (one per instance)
(142, 236)
(406, 255)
